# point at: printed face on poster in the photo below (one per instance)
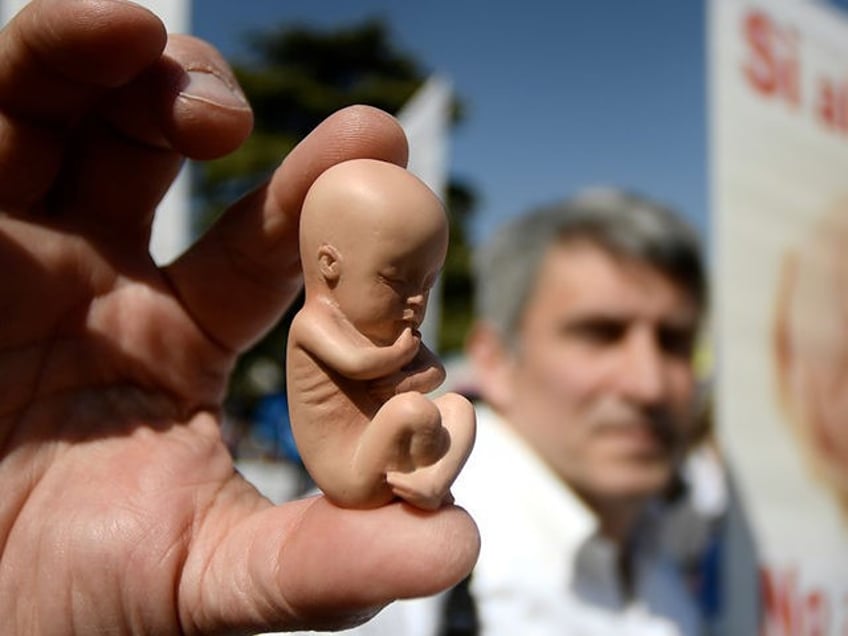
(779, 91)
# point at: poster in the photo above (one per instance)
(779, 183)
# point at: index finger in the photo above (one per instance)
(241, 276)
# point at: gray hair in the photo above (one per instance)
(625, 225)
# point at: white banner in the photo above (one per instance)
(426, 121)
(174, 13)
(779, 107)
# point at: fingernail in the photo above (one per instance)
(209, 87)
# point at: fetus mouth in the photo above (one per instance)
(412, 318)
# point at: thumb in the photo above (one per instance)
(309, 564)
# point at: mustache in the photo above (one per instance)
(660, 422)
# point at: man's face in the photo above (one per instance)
(601, 381)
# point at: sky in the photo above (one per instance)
(560, 96)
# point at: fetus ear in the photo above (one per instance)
(329, 263)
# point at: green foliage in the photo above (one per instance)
(295, 78)
(456, 275)
(309, 74)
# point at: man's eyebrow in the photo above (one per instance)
(593, 322)
(595, 315)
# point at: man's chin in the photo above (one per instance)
(637, 483)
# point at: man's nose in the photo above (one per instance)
(643, 371)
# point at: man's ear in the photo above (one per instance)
(492, 361)
(329, 263)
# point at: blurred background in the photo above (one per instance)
(734, 112)
(551, 96)
(547, 99)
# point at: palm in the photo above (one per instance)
(124, 384)
(121, 510)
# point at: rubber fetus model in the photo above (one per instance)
(373, 239)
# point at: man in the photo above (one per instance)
(587, 316)
(120, 509)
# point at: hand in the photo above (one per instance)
(407, 345)
(424, 373)
(403, 353)
(120, 508)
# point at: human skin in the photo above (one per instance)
(356, 367)
(121, 511)
(812, 348)
(599, 380)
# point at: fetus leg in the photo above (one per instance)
(427, 486)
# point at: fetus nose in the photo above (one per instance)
(417, 299)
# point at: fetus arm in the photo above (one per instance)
(349, 353)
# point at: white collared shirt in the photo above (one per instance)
(543, 567)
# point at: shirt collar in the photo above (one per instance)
(556, 518)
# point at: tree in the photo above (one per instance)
(298, 76)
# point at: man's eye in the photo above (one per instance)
(598, 332)
(677, 342)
